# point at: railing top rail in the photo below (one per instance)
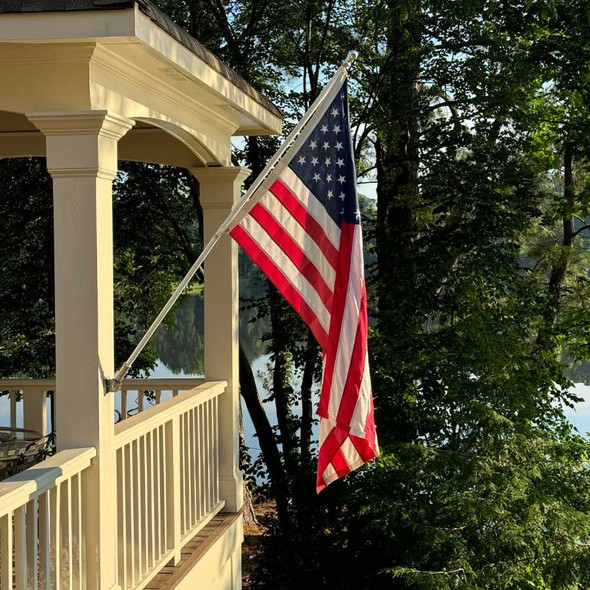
(132, 428)
(131, 384)
(31, 483)
(166, 384)
(27, 383)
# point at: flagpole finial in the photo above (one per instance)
(350, 58)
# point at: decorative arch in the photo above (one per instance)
(205, 156)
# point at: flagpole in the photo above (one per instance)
(114, 384)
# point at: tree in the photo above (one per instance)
(482, 482)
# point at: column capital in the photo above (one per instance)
(105, 123)
(81, 144)
(220, 185)
(221, 173)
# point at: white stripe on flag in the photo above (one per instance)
(363, 404)
(348, 328)
(311, 250)
(311, 203)
(288, 269)
(350, 454)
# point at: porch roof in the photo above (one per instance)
(128, 58)
(156, 16)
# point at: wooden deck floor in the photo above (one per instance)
(193, 551)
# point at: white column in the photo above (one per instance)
(220, 188)
(82, 159)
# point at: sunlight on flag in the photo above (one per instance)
(305, 234)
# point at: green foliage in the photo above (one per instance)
(472, 119)
(156, 237)
(26, 255)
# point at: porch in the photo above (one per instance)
(167, 489)
(149, 495)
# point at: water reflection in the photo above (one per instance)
(181, 349)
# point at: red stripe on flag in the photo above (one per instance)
(306, 220)
(328, 448)
(293, 251)
(363, 448)
(281, 282)
(347, 231)
(356, 369)
(340, 464)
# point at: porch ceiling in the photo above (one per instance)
(127, 57)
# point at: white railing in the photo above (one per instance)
(167, 480)
(137, 395)
(167, 473)
(38, 397)
(42, 524)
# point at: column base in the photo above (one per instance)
(231, 489)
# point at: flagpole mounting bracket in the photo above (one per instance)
(114, 384)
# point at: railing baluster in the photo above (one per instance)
(124, 404)
(173, 461)
(144, 505)
(216, 447)
(129, 487)
(203, 460)
(194, 462)
(63, 549)
(20, 548)
(76, 482)
(55, 502)
(150, 499)
(6, 549)
(44, 542)
(184, 481)
(191, 470)
(69, 515)
(32, 539)
(198, 465)
(210, 454)
(137, 509)
(165, 473)
(156, 492)
(121, 520)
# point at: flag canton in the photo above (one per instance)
(325, 163)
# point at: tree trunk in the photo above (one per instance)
(311, 354)
(267, 440)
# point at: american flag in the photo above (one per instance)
(305, 234)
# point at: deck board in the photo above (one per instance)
(192, 552)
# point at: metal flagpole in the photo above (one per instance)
(114, 384)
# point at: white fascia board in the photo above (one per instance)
(263, 121)
(45, 27)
